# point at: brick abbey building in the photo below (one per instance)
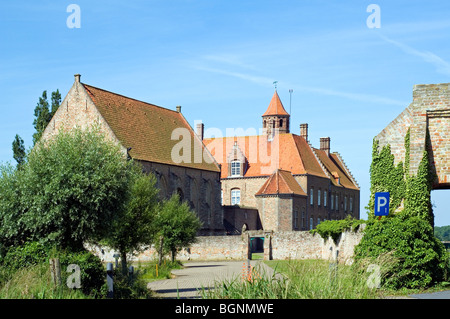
(273, 181)
(144, 133)
(277, 181)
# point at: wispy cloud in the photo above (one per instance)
(261, 80)
(268, 82)
(441, 65)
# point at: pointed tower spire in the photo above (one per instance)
(275, 118)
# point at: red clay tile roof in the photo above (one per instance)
(287, 152)
(281, 182)
(146, 128)
(275, 106)
(334, 166)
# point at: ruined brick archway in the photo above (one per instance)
(429, 112)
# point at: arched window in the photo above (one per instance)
(235, 196)
(264, 124)
(180, 194)
(281, 122)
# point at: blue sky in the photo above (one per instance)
(219, 59)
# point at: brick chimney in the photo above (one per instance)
(200, 130)
(304, 131)
(325, 145)
(77, 78)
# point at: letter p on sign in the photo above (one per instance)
(381, 204)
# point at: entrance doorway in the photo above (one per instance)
(257, 248)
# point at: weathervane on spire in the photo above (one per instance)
(275, 84)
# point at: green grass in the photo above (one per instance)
(34, 282)
(151, 271)
(298, 279)
(257, 256)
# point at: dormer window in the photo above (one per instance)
(236, 162)
(235, 168)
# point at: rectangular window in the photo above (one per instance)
(332, 201)
(351, 204)
(311, 196)
(345, 203)
(235, 196)
(337, 202)
(296, 220)
(318, 197)
(311, 223)
(325, 198)
(235, 168)
(303, 219)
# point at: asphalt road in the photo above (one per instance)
(202, 275)
(434, 295)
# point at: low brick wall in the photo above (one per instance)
(296, 245)
(277, 245)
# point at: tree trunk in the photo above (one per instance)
(123, 257)
(174, 252)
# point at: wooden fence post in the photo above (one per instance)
(55, 270)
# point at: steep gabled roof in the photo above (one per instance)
(286, 152)
(337, 169)
(146, 128)
(275, 106)
(281, 182)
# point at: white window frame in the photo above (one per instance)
(235, 196)
(236, 168)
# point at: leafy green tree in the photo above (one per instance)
(134, 229)
(42, 117)
(18, 148)
(443, 232)
(43, 113)
(13, 230)
(56, 102)
(69, 191)
(177, 225)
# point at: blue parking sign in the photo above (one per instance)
(381, 204)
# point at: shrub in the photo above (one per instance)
(93, 272)
(334, 228)
(29, 254)
(420, 258)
